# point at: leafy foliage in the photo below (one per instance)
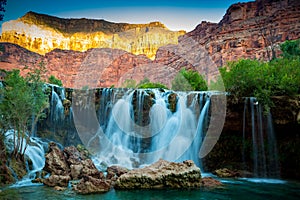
(53, 80)
(290, 49)
(22, 104)
(264, 79)
(187, 80)
(146, 83)
(143, 84)
(152, 85)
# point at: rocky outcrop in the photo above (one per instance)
(56, 162)
(250, 30)
(162, 174)
(57, 180)
(42, 33)
(89, 185)
(72, 164)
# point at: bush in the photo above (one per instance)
(152, 85)
(290, 49)
(262, 80)
(187, 80)
(53, 80)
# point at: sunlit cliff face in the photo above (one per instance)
(42, 33)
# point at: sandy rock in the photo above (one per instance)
(162, 174)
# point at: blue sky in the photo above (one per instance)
(175, 14)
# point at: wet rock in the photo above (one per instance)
(162, 174)
(88, 185)
(59, 188)
(226, 173)
(37, 180)
(85, 168)
(73, 155)
(115, 171)
(209, 182)
(66, 165)
(56, 162)
(57, 180)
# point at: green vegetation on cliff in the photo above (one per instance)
(262, 80)
(53, 80)
(143, 84)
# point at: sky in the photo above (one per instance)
(175, 14)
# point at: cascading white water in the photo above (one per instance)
(264, 148)
(57, 108)
(173, 136)
(35, 151)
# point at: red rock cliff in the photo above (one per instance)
(247, 30)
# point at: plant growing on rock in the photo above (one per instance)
(53, 80)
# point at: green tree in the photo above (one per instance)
(22, 104)
(262, 80)
(53, 80)
(186, 80)
(290, 49)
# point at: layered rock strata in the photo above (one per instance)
(42, 33)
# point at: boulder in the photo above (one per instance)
(115, 172)
(226, 173)
(162, 174)
(209, 182)
(85, 168)
(57, 180)
(66, 165)
(56, 162)
(88, 185)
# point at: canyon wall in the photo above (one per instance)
(42, 33)
(248, 30)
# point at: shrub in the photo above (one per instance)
(152, 85)
(186, 80)
(53, 80)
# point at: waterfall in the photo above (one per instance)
(138, 127)
(57, 108)
(259, 128)
(35, 152)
